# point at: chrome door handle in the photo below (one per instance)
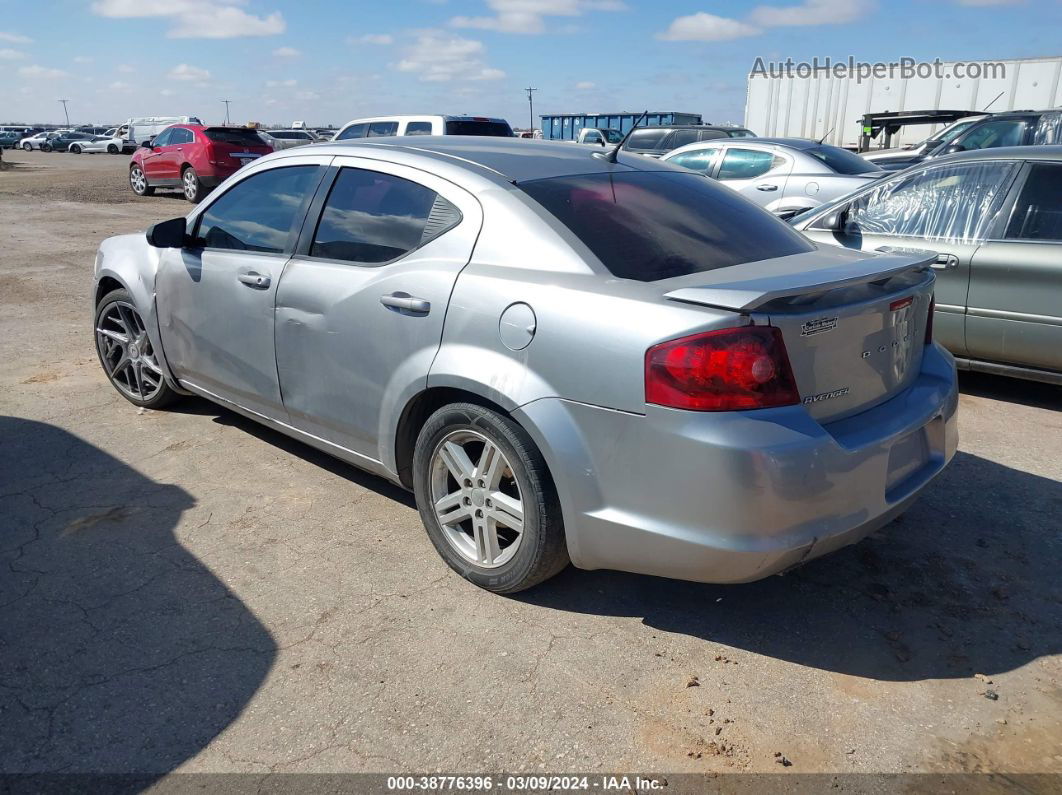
(765, 186)
(253, 279)
(946, 262)
(406, 302)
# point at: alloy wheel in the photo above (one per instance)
(137, 180)
(476, 498)
(126, 352)
(191, 185)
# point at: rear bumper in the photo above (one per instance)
(738, 496)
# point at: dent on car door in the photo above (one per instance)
(216, 297)
(1014, 313)
(946, 209)
(361, 305)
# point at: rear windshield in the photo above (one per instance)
(656, 225)
(498, 129)
(233, 135)
(841, 160)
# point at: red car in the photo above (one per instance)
(194, 158)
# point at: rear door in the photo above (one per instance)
(941, 208)
(757, 173)
(1014, 313)
(361, 305)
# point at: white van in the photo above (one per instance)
(147, 127)
(424, 125)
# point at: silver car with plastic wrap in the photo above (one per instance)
(618, 364)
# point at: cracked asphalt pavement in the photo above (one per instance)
(187, 591)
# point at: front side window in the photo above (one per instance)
(745, 164)
(258, 213)
(702, 160)
(418, 128)
(650, 225)
(1038, 213)
(944, 203)
(992, 134)
(592, 137)
(646, 139)
(613, 136)
(353, 131)
(163, 138)
(371, 218)
(381, 128)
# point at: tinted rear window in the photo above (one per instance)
(649, 138)
(233, 135)
(498, 129)
(656, 225)
(841, 160)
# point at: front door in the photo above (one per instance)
(361, 306)
(945, 209)
(154, 161)
(757, 174)
(216, 299)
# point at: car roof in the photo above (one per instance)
(1049, 152)
(514, 159)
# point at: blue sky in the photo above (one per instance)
(326, 61)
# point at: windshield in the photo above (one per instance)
(233, 135)
(498, 129)
(841, 160)
(949, 133)
(661, 224)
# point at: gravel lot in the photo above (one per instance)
(188, 591)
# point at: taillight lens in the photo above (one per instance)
(929, 319)
(738, 368)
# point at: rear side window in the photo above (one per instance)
(740, 133)
(701, 160)
(656, 225)
(353, 131)
(258, 214)
(682, 137)
(418, 128)
(644, 140)
(496, 129)
(745, 164)
(239, 136)
(992, 134)
(709, 135)
(381, 128)
(372, 218)
(181, 135)
(1038, 213)
(841, 160)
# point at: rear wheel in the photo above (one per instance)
(27, 147)
(46, 147)
(486, 499)
(127, 355)
(193, 188)
(138, 182)
(112, 149)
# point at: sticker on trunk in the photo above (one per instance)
(818, 326)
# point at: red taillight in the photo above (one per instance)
(929, 318)
(737, 368)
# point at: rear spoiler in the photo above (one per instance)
(766, 284)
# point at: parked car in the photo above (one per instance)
(97, 143)
(9, 139)
(62, 141)
(994, 219)
(897, 159)
(455, 317)
(784, 175)
(287, 139)
(424, 125)
(598, 136)
(36, 140)
(658, 141)
(194, 158)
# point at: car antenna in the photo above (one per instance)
(993, 102)
(611, 156)
(827, 135)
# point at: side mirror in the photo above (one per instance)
(146, 144)
(833, 221)
(951, 149)
(168, 234)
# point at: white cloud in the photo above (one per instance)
(185, 72)
(528, 16)
(585, 85)
(7, 54)
(126, 68)
(118, 85)
(286, 52)
(707, 27)
(42, 72)
(381, 39)
(14, 38)
(812, 12)
(196, 19)
(307, 96)
(167, 92)
(281, 83)
(82, 59)
(437, 57)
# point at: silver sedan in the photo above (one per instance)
(564, 356)
(784, 175)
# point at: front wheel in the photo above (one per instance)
(75, 149)
(112, 149)
(127, 355)
(46, 147)
(27, 147)
(193, 188)
(487, 500)
(138, 182)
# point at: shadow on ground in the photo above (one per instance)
(1011, 390)
(120, 652)
(966, 582)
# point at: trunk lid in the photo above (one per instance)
(853, 323)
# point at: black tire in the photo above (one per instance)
(46, 147)
(190, 184)
(112, 149)
(158, 397)
(27, 147)
(75, 149)
(542, 552)
(140, 187)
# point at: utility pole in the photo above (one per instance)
(67, 115)
(531, 104)
(226, 101)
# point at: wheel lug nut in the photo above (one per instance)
(467, 501)
(490, 504)
(479, 514)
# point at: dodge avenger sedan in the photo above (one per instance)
(565, 355)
